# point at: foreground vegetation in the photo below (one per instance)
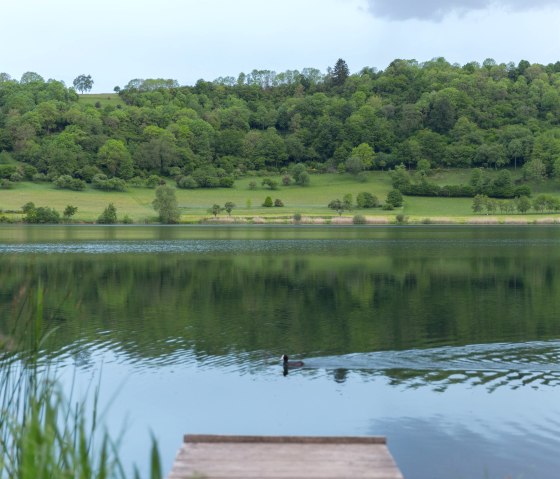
(44, 433)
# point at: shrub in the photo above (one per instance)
(401, 219)
(272, 184)
(41, 215)
(359, 220)
(297, 217)
(394, 198)
(137, 181)
(101, 182)
(109, 215)
(300, 174)
(278, 203)
(186, 182)
(303, 179)
(286, 180)
(29, 171)
(88, 172)
(6, 184)
(38, 177)
(27, 207)
(388, 207)
(366, 200)
(6, 171)
(152, 181)
(66, 182)
(522, 190)
(16, 177)
(252, 185)
(268, 202)
(226, 182)
(127, 220)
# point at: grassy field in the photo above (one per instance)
(103, 98)
(309, 201)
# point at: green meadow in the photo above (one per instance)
(309, 201)
(104, 99)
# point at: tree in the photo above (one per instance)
(340, 72)
(539, 203)
(491, 204)
(348, 201)
(354, 165)
(109, 215)
(83, 83)
(268, 202)
(400, 179)
(165, 203)
(534, 170)
(229, 207)
(522, 204)
(337, 205)
(300, 174)
(478, 203)
(116, 159)
(215, 210)
(69, 211)
(365, 153)
(31, 77)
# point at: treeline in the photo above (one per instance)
(520, 204)
(416, 114)
(500, 185)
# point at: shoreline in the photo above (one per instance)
(344, 220)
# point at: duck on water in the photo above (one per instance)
(291, 364)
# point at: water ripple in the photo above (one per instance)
(251, 245)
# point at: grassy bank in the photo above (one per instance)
(311, 202)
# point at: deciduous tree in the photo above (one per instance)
(83, 83)
(165, 203)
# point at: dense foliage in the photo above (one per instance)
(422, 115)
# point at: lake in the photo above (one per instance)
(445, 339)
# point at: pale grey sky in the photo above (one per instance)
(118, 40)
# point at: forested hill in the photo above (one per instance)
(489, 115)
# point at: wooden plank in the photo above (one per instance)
(286, 439)
(284, 457)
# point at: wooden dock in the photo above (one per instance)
(283, 457)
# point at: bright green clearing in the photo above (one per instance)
(310, 201)
(104, 99)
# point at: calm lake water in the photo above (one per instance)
(444, 339)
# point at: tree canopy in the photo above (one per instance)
(83, 83)
(417, 114)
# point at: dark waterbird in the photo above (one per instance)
(291, 364)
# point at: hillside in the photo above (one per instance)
(426, 115)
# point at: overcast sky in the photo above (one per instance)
(117, 40)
